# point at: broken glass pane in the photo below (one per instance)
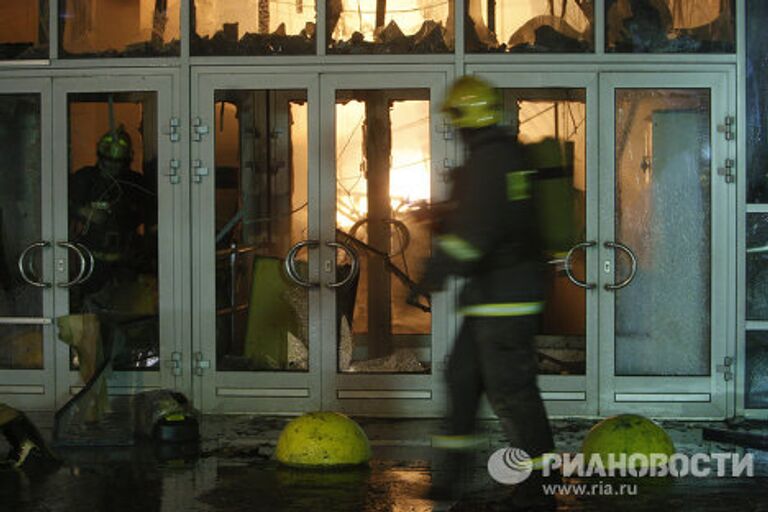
(552, 123)
(563, 26)
(670, 26)
(663, 202)
(253, 27)
(116, 28)
(21, 346)
(757, 266)
(262, 317)
(383, 173)
(24, 29)
(756, 381)
(757, 102)
(390, 26)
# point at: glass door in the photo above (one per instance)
(555, 115)
(256, 242)
(115, 156)
(304, 205)
(27, 276)
(664, 248)
(384, 151)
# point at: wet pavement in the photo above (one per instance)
(233, 470)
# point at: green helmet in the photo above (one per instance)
(472, 103)
(115, 145)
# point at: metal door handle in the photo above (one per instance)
(632, 271)
(83, 264)
(567, 265)
(91, 262)
(290, 263)
(355, 264)
(25, 267)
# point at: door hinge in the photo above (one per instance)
(198, 171)
(445, 129)
(173, 171)
(728, 128)
(728, 171)
(726, 368)
(175, 364)
(199, 364)
(199, 129)
(174, 125)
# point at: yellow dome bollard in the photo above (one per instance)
(323, 439)
(616, 439)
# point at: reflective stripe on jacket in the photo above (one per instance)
(504, 309)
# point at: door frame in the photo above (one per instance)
(36, 389)
(262, 391)
(673, 397)
(162, 82)
(384, 394)
(281, 392)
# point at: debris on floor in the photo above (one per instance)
(227, 42)
(430, 38)
(745, 433)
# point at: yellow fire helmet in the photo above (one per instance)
(472, 103)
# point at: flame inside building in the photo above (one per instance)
(383, 166)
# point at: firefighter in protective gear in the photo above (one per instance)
(28, 449)
(112, 212)
(113, 216)
(491, 238)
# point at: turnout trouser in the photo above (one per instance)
(496, 356)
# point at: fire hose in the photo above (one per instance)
(395, 270)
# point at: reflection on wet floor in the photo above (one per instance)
(233, 470)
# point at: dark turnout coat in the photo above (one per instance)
(490, 236)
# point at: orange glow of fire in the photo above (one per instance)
(212, 14)
(360, 16)
(409, 175)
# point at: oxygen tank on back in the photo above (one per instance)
(559, 203)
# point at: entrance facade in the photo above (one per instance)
(275, 220)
